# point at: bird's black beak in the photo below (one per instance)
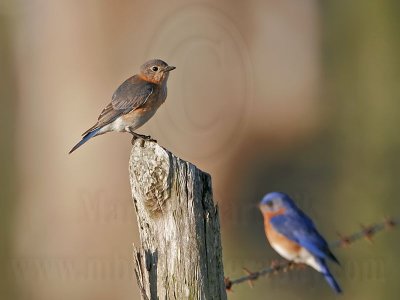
(169, 68)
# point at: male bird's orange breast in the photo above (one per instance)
(274, 237)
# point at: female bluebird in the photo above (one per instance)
(293, 235)
(133, 103)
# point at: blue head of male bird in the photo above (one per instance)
(134, 102)
(294, 236)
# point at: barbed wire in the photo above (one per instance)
(344, 241)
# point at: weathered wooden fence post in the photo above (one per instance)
(180, 254)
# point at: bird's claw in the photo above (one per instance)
(143, 137)
(147, 138)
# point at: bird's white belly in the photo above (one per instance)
(282, 251)
(130, 121)
(303, 256)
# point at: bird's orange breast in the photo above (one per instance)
(132, 115)
(274, 237)
(154, 79)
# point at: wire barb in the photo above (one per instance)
(344, 241)
(251, 275)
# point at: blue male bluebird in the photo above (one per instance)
(293, 235)
(133, 103)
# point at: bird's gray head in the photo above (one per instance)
(155, 71)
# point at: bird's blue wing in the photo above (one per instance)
(299, 228)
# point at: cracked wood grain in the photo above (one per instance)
(180, 255)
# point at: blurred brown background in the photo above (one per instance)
(296, 96)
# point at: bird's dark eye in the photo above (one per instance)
(155, 69)
(270, 204)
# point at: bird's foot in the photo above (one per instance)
(143, 137)
(147, 138)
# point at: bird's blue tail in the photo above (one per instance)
(85, 138)
(329, 277)
(332, 282)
